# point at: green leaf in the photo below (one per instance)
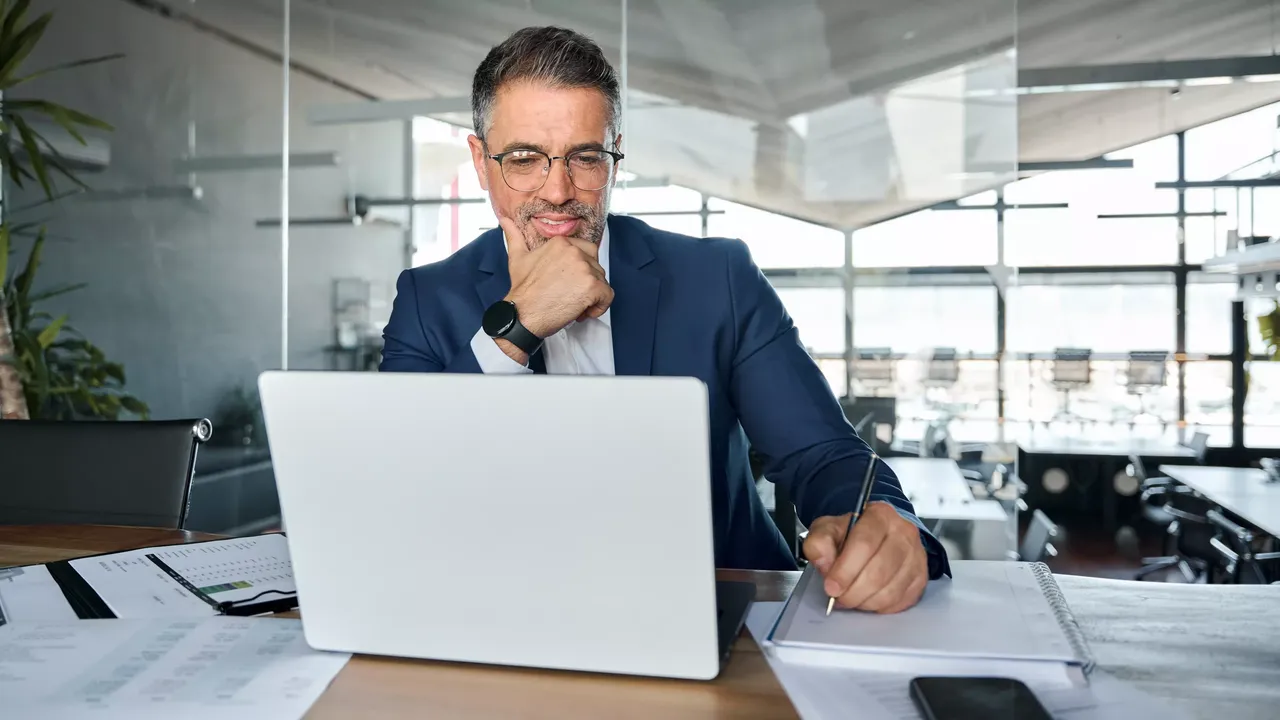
(22, 43)
(55, 292)
(13, 82)
(115, 371)
(28, 276)
(11, 19)
(30, 141)
(134, 405)
(50, 332)
(4, 255)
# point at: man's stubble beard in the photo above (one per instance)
(591, 222)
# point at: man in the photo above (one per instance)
(564, 288)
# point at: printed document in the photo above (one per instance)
(198, 669)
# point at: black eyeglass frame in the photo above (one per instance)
(617, 158)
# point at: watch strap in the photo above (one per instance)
(520, 336)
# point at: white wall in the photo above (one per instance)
(186, 293)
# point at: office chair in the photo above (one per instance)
(1199, 444)
(879, 429)
(1071, 370)
(93, 472)
(1239, 562)
(1145, 374)
(873, 370)
(1037, 543)
(1187, 537)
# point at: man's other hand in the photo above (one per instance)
(882, 567)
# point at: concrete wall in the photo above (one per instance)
(187, 293)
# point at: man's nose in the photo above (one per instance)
(558, 189)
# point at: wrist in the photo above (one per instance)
(512, 351)
(527, 315)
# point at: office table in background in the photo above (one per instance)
(1243, 491)
(1143, 447)
(938, 491)
(972, 529)
(1213, 650)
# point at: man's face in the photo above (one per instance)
(531, 116)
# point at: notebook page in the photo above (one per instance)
(821, 693)
(989, 609)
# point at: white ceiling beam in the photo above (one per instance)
(385, 110)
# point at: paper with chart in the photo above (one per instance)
(211, 668)
(826, 693)
(30, 593)
(139, 584)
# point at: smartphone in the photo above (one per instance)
(975, 698)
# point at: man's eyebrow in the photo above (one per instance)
(585, 146)
(522, 145)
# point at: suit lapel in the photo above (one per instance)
(494, 278)
(634, 313)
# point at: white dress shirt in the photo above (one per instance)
(581, 348)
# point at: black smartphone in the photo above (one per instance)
(975, 698)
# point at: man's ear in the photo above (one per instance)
(617, 144)
(480, 160)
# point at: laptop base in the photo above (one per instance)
(733, 599)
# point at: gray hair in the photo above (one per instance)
(555, 56)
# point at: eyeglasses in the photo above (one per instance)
(527, 170)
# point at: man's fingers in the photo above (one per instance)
(602, 302)
(883, 579)
(588, 248)
(868, 534)
(823, 541)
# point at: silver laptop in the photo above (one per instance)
(553, 522)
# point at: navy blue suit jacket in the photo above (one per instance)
(683, 307)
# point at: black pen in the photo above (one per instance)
(864, 494)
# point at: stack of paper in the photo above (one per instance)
(822, 693)
(214, 668)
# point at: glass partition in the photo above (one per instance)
(156, 294)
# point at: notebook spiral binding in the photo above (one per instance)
(1062, 612)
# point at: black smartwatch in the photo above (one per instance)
(502, 321)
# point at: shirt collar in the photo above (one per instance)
(604, 265)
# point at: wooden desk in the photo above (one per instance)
(1243, 491)
(389, 687)
(1211, 650)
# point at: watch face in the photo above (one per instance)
(499, 318)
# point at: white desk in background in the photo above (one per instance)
(1143, 447)
(942, 499)
(939, 492)
(1243, 491)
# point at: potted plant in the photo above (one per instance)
(47, 369)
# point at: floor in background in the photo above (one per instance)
(1092, 551)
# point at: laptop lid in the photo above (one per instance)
(546, 521)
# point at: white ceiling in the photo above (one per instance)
(731, 73)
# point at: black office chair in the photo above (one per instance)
(1239, 561)
(108, 473)
(1037, 544)
(1188, 537)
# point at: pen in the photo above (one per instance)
(864, 494)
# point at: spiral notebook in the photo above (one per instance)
(993, 618)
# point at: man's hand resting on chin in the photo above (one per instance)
(883, 566)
